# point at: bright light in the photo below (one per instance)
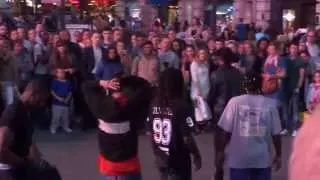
(220, 13)
(289, 17)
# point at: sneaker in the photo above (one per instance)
(294, 134)
(67, 130)
(284, 132)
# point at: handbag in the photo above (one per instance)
(202, 110)
(270, 86)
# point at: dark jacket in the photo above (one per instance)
(88, 62)
(225, 84)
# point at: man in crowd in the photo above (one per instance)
(16, 131)
(24, 64)
(3, 31)
(250, 122)
(146, 65)
(117, 35)
(92, 56)
(167, 57)
(8, 73)
(312, 46)
(225, 84)
(107, 35)
(293, 83)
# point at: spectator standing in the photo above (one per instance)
(110, 66)
(167, 57)
(275, 69)
(126, 59)
(293, 83)
(188, 58)
(225, 84)
(8, 73)
(313, 48)
(108, 39)
(313, 94)
(41, 52)
(24, 63)
(61, 91)
(146, 65)
(262, 46)
(251, 123)
(92, 56)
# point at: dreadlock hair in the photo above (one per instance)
(251, 83)
(171, 86)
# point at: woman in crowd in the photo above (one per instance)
(61, 58)
(177, 47)
(188, 57)
(274, 71)
(313, 95)
(125, 58)
(200, 79)
(110, 65)
(262, 46)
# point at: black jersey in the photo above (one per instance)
(169, 125)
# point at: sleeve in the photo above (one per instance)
(134, 70)
(99, 71)
(37, 51)
(7, 116)
(309, 96)
(176, 62)
(275, 119)
(186, 119)
(101, 105)
(227, 118)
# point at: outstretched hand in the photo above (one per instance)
(112, 84)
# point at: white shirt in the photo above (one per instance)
(313, 50)
(97, 53)
(200, 79)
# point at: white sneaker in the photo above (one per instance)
(67, 130)
(294, 133)
(284, 132)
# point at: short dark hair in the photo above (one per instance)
(107, 29)
(147, 43)
(251, 83)
(226, 55)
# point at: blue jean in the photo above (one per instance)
(250, 174)
(7, 92)
(292, 111)
(125, 177)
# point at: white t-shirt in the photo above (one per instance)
(252, 120)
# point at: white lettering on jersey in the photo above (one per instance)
(162, 129)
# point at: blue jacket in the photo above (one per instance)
(107, 70)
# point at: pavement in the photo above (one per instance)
(75, 155)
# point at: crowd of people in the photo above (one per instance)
(245, 91)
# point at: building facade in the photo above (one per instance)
(279, 13)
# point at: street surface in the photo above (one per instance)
(75, 155)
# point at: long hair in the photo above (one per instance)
(171, 87)
(105, 55)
